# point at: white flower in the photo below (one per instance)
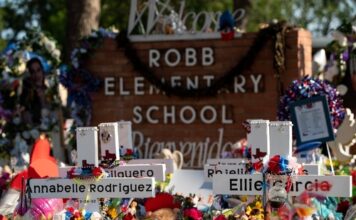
(50, 82)
(21, 67)
(82, 50)
(34, 133)
(331, 72)
(342, 89)
(50, 46)
(340, 38)
(56, 54)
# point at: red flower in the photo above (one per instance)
(97, 171)
(193, 213)
(257, 166)
(77, 214)
(220, 217)
(161, 201)
(70, 209)
(353, 174)
(123, 208)
(70, 173)
(343, 206)
(129, 152)
(273, 164)
(128, 216)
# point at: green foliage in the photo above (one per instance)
(319, 16)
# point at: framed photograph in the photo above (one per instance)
(311, 119)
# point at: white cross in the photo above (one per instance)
(271, 138)
(123, 181)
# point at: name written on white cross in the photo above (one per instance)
(267, 138)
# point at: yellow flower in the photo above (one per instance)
(112, 212)
(258, 204)
(248, 210)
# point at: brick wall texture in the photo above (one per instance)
(197, 140)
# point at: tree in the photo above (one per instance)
(245, 5)
(83, 18)
(319, 16)
(51, 16)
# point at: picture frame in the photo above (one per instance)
(311, 120)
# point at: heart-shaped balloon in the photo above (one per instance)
(45, 207)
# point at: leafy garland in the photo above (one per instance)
(245, 62)
(16, 135)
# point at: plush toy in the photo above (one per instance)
(177, 157)
(226, 26)
(45, 208)
(162, 207)
(131, 212)
(42, 165)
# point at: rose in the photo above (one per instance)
(273, 164)
(97, 171)
(220, 217)
(193, 213)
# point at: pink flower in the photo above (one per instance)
(193, 213)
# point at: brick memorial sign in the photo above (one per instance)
(201, 127)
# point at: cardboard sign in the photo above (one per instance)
(87, 146)
(280, 133)
(158, 171)
(167, 162)
(109, 141)
(338, 186)
(259, 139)
(211, 170)
(104, 188)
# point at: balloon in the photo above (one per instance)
(45, 207)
